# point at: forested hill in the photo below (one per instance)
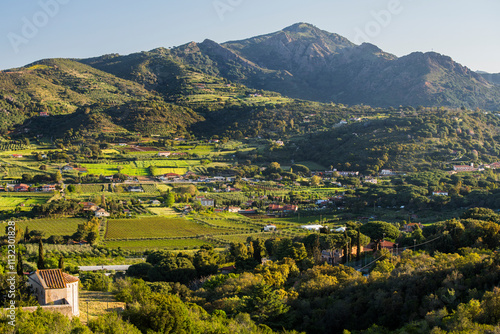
(405, 141)
(304, 62)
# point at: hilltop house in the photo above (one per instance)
(52, 286)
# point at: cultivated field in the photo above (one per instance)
(158, 227)
(56, 226)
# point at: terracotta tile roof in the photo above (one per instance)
(70, 279)
(55, 278)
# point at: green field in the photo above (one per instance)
(63, 226)
(10, 201)
(157, 227)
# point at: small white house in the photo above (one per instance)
(101, 213)
(312, 227)
(270, 228)
(52, 286)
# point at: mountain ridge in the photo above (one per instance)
(305, 62)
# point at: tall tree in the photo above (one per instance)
(61, 263)
(41, 261)
(20, 263)
(26, 235)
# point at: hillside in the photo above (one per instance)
(407, 140)
(74, 95)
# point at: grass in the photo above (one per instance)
(63, 226)
(159, 211)
(157, 227)
(96, 303)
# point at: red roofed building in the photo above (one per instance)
(21, 187)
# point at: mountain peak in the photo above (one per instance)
(300, 27)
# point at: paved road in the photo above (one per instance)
(95, 268)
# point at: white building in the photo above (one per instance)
(101, 213)
(312, 227)
(269, 228)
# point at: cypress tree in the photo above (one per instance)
(26, 235)
(20, 264)
(61, 262)
(41, 262)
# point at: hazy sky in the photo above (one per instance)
(31, 30)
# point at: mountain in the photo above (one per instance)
(305, 62)
(493, 78)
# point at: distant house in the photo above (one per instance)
(386, 172)
(206, 201)
(164, 154)
(312, 227)
(269, 228)
(101, 213)
(290, 208)
(44, 114)
(89, 206)
(233, 209)
(67, 168)
(54, 287)
(412, 227)
(383, 245)
(17, 155)
(48, 188)
(155, 202)
(135, 189)
(21, 187)
(440, 193)
(464, 168)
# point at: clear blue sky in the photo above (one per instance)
(464, 30)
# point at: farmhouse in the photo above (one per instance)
(89, 206)
(233, 209)
(164, 154)
(312, 227)
(17, 155)
(21, 187)
(67, 168)
(464, 168)
(206, 201)
(48, 188)
(135, 189)
(101, 213)
(54, 287)
(44, 114)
